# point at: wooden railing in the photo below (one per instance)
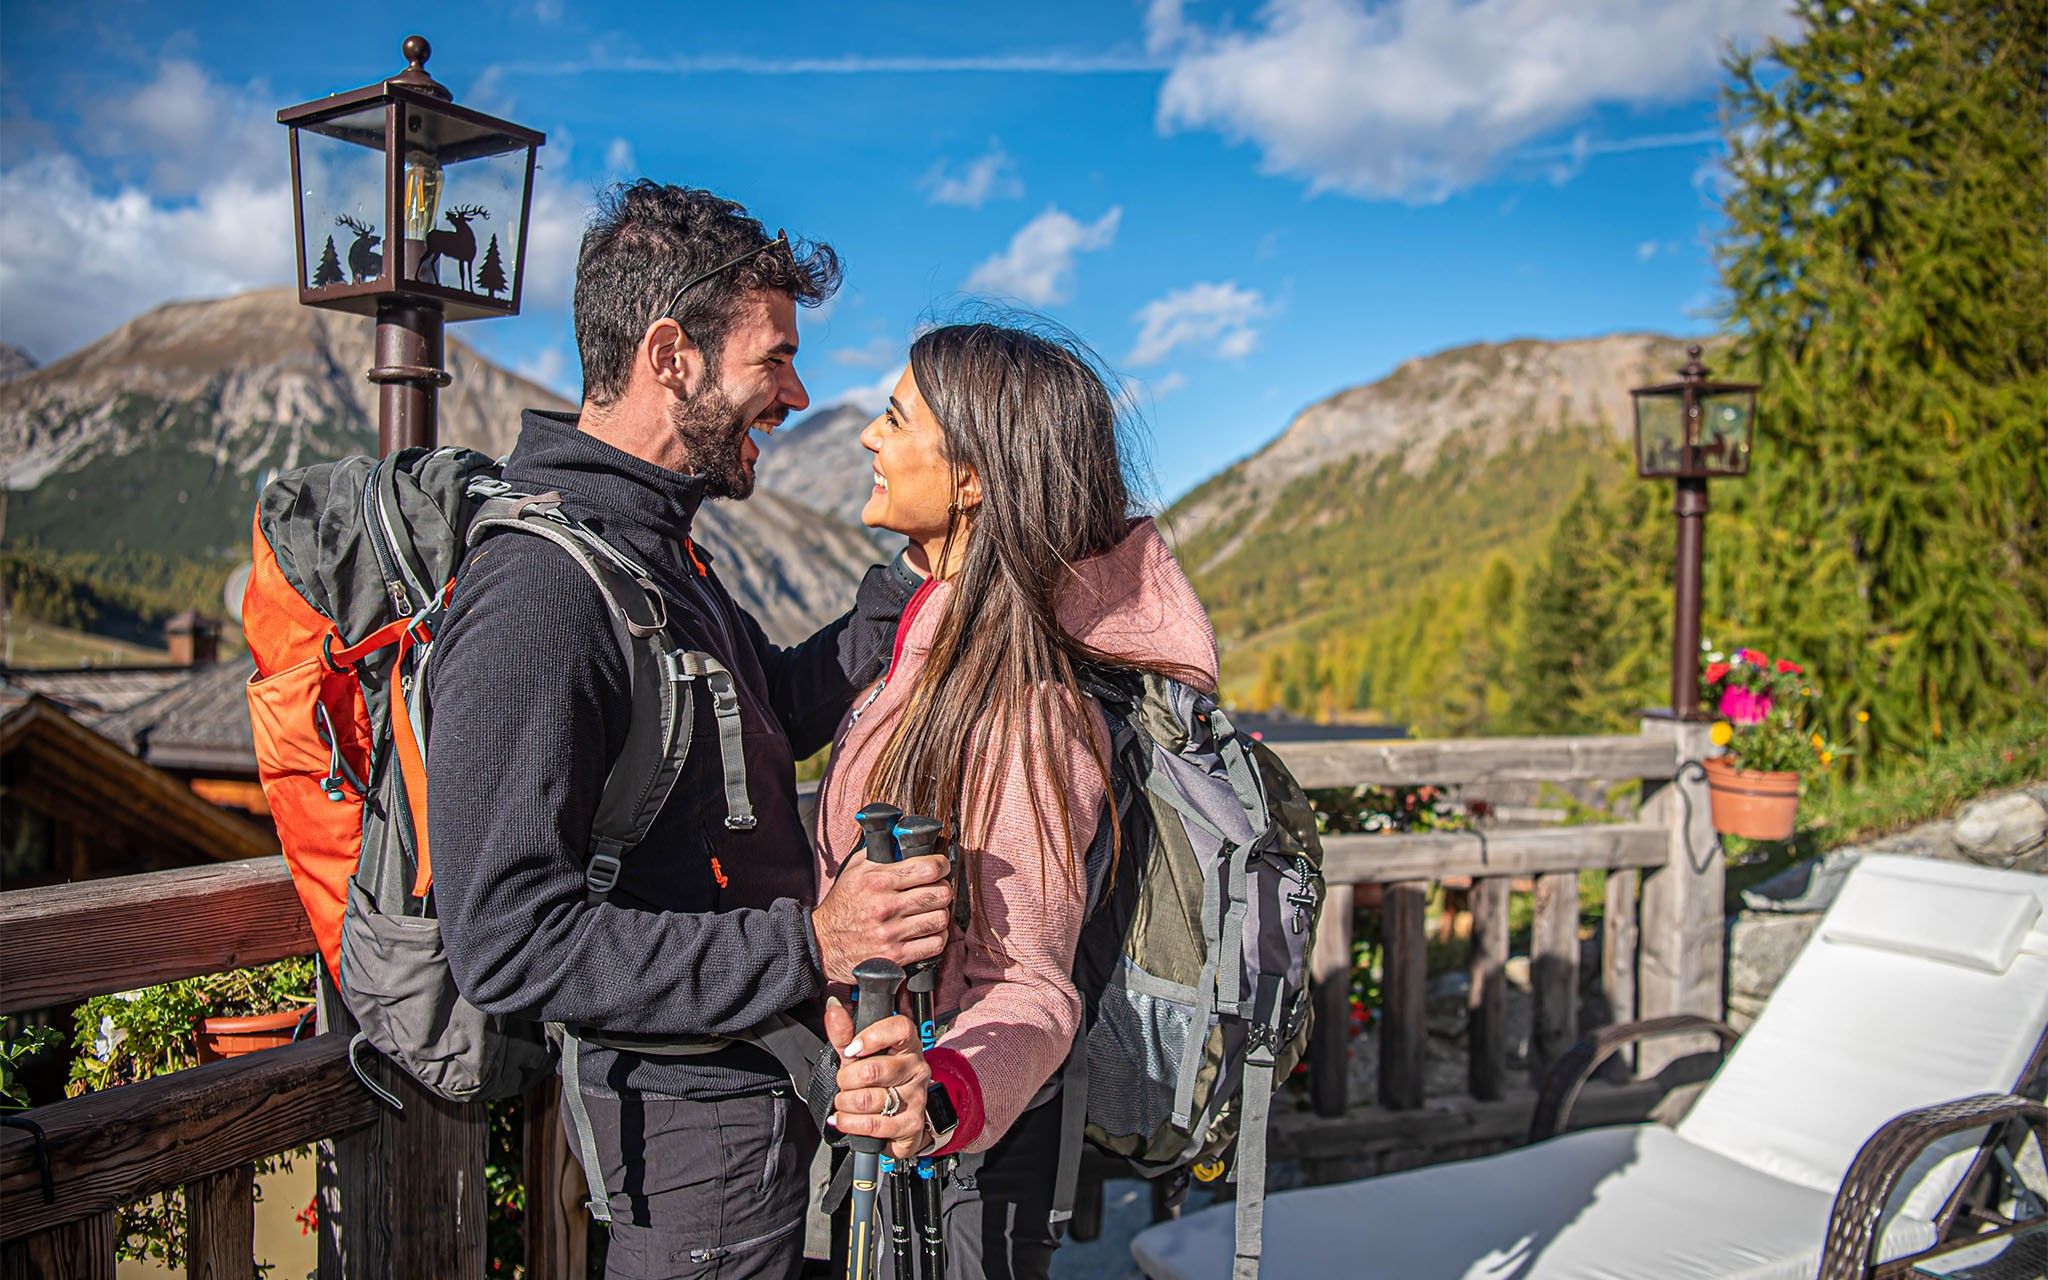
(1661, 950)
(403, 1194)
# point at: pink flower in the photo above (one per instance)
(1744, 706)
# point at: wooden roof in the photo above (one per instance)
(58, 766)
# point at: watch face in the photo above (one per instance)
(938, 1106)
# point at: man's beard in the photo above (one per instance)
(713, 429)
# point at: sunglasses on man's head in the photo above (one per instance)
(781, 239)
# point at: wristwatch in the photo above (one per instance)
(940, 1119)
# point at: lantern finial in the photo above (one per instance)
(417, 51)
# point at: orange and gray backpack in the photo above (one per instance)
(354, 567)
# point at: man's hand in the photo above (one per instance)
(896, 910)
(885, 1057)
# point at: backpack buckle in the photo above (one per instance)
(603, 872)
(745, 823)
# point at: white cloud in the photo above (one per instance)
(1038, 265)
(1415, 99)
(1166, 386)
(188, 132)
(187, 195)
(548, 366)
(874, 397)
(989, 176)
(1646, 250)
(619, 161)
(1201, 313)
(880, 353)
(74, 263)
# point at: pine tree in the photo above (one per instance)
(1886, 260)
(329, 269)
(1561, 626)
(490, 277)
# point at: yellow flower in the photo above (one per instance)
(1818, 742)
(1827, 758)
(1862, 717)
(1721, 734)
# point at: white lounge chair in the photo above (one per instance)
(1845, 1134)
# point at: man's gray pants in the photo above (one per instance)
(702, 1190)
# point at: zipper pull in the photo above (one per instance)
(401, 599)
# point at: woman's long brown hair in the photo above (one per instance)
(1037, 423)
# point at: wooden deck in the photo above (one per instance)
(403, 1194)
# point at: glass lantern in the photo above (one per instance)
(1694, 428)
(401, 194)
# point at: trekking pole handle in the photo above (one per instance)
(877, 980)
(916, 836)
(877, 831)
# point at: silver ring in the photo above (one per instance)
(893, 1101)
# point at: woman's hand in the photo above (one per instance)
(883, 1059)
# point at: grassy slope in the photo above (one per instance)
(1357, 542)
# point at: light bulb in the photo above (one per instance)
(422, 194)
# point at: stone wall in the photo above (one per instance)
(2007, 830)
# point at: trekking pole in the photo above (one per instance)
(878, 980)
(877, 823)
(918, 837)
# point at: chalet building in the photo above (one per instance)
(75, 806)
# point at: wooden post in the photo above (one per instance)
(1682, 910)
(1329, 1051)
(1554, 968)
(1486, 1002)
(81, 1250)
(557, 1227)
(404, 1198)
(220, 1225)
(1404, 1029)
(1619, 940)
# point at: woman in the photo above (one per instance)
(997, 457)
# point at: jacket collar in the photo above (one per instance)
(552, 454)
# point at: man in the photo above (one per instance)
(686, 323)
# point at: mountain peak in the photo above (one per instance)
(1487, 395)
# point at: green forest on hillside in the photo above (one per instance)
(1883, 270)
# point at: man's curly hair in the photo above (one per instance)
(643, 242)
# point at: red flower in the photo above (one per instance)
(1786, 667)
(1715, 671)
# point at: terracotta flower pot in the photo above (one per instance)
(1752, 803)
(221, 1038)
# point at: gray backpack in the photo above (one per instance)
(354, 568)
(1193, 962)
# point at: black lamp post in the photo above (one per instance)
(429, 202)
(1687, 431)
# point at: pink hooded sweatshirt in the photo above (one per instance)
(1018, 1011)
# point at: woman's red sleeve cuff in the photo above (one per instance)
(964, 1088)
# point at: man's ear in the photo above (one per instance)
(673, 359)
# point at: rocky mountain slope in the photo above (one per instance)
(14, 362)
(1476, 400)
(159, 435)
(818, 461)
(1343, 563)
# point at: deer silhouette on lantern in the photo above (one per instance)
(364, 262)
(459, 244)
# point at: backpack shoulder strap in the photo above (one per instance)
(663, 688)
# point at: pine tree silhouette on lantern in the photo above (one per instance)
(490, 277)
(329, 270)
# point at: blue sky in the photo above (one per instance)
(1243, 207)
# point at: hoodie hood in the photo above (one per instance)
(1134, 602)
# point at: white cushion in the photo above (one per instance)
(1977, 926)
(1855, 1035)
(1603, 1204)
